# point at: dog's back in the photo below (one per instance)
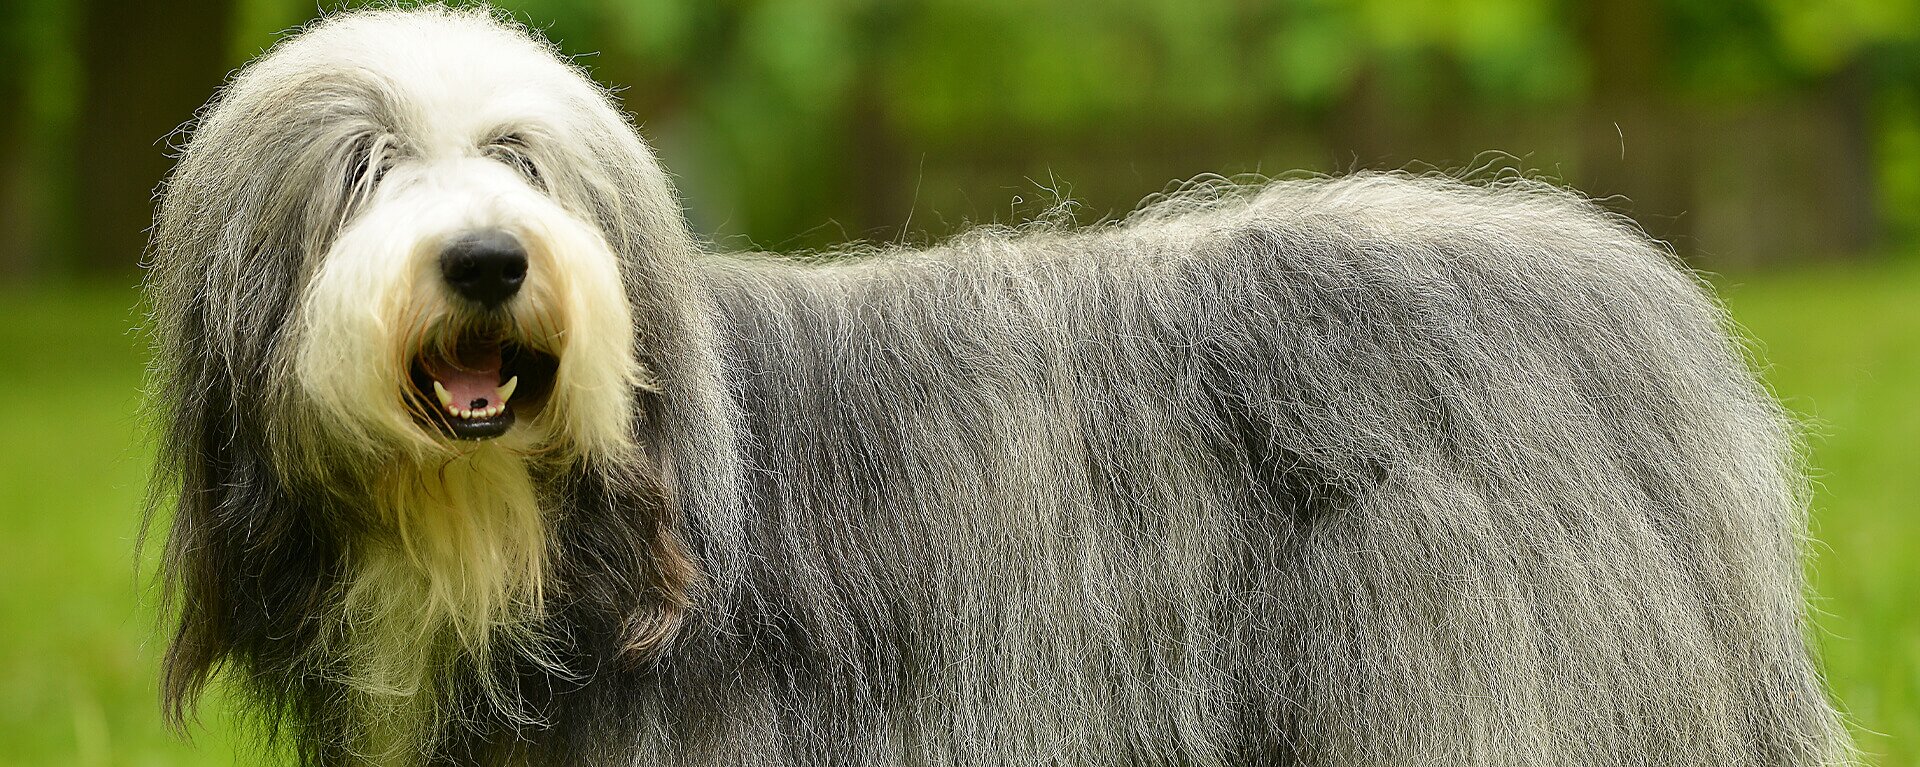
(1372, 470)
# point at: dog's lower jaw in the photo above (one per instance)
(455, 574)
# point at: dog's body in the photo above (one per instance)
(1369, 471)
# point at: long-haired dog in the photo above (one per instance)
(476, 456)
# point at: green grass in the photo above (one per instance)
(1844, 348)
(78, 647)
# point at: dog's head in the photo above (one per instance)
(413, 236)
(414, 279)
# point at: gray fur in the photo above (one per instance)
(1373, 470)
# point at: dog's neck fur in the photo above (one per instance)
(457, 574)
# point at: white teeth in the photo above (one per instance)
(499, 406)
(472, 413)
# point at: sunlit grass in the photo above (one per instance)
(1845, 352)
(78, 649)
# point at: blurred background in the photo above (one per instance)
(1774, 143)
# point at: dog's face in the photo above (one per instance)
(456, 292)
(413, 280)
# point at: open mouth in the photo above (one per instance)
(476, 386)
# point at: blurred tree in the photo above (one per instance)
(1637, 140)
(1750, 132)
(146, 67)
(16, 221)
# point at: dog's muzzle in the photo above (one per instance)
(472, 381)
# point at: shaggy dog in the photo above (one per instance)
(476, 456)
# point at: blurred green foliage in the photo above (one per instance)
(1747, 132)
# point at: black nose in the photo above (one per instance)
(485, 267)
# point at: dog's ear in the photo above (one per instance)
(191, 591)
(219, 297)
(245, 568)
(186, 482)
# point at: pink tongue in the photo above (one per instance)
(473, 379)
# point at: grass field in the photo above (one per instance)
(78, 646)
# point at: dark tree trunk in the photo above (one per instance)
(146, 67)
(882, 204)
(1637, 142)
(1849, 101)
(16, 206)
